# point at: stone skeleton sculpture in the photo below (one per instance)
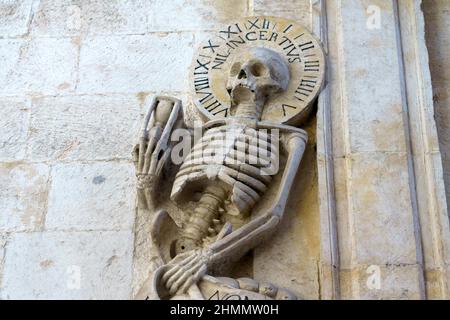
(227, 171)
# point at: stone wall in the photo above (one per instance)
(73, 80)
(369, 199)
(384, 219)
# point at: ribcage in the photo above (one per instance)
(242, 158)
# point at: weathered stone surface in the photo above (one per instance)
(181, 15)
(24, 196)
(382, 222)
(132, 17)
(14, 17)
(83, 127)
(396, 282)
(381, 144)
(298, 10)
(371, 185)
(369, 189)
(135, 63)
(374, 112)
(68, 265)
(270, 7)
(57, 18)
(44, 65)
(73, 206)
(14, 120)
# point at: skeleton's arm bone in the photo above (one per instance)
(245, 238)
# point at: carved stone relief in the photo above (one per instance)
(254, 84)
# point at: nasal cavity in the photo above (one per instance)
(242, 75)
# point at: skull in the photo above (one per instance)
(255, 75)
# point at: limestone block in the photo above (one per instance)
(372, 92)
(181, 15)
(299, 10)
(24, 196)
(135, 63)
(397, 282)
(14, 120)
(287, 5)
(83, 127)
(44, 65)
(366, 102)
(14, 17)
(97, 196)
(372, 282)
(93, 17)
(381, 225)
(68, 265)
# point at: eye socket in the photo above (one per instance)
(235, 68)
(257, 69)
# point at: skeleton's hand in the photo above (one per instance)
(185, 270)
(149, 158)
(152, 151)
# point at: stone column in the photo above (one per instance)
(384, 224)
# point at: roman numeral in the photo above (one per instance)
(253, 24)
(224, 111)
(306, 46)
(229, 31)
(305, 88)
(284, 106)
(201, 68)
(211, 46)
(287, 28)
(303, 91)
(201, 83)
(312, 65)
(307, 83)
(213, 105)
(208, 96)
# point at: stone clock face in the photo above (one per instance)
(303, 53)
